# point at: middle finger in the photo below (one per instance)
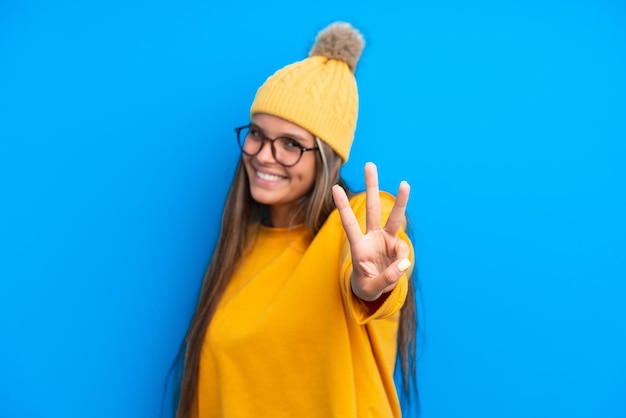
(372, 198)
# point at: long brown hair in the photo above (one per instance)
(240, 211)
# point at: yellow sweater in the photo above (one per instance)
(289, 339)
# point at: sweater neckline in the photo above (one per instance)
(281, 230)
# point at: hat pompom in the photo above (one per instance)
(339, 41)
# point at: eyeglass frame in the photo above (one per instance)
(264, 139)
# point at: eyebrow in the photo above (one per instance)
(295, 137)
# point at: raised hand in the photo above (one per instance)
(379, 257)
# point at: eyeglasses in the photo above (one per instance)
(286, 151)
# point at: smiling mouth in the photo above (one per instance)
(267, 176)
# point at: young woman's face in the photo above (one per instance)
(273, 184)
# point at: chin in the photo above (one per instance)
(263, 197)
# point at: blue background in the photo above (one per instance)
(117, 148)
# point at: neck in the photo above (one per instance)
(283, 216)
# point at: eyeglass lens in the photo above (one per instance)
(286, 151)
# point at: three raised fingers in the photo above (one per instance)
(396, 218)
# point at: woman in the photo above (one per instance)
(300, 310)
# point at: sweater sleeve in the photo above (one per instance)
(357, 309)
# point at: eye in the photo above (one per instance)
(292, 143)
(255, 132)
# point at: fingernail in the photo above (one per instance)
(404, 265)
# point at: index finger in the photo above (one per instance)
(348, 219)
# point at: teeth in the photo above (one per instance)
(268, 177)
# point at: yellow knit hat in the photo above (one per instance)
(319, 93)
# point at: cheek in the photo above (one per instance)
(307, 176)
(247, 165)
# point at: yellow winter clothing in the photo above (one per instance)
(289, 339)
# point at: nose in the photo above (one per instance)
(266, 154)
